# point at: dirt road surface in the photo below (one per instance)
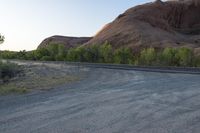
(108, 101)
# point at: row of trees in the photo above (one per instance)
(106, 54)
(168, 57)
(95, 53)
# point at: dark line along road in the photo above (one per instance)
(160, 69)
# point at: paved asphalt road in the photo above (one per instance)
(108, 101)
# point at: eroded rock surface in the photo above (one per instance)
(69, 42)
(156, 24)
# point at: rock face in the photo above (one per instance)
(157, 24)
(174, 23)
(69, 42)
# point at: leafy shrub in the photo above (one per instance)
(8, 70)
(123, 56)
(46, 58)
(169, 58)
(148, 57)
(185, 57)
(106, 53)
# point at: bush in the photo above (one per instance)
(148, 57)
(93, 54)
(106, 54)
(46, 58)
(123, 56)
(8, 70)
(61, 53)
(196, 61)
(169, 58)
(184, 56)
(39, 53)
(76, 54)
(8, 54)
(72, 55)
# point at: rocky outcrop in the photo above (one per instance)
(68, 42)
(174, 23)
(157, 24)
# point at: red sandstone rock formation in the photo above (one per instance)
(69, 42)
(157, 24)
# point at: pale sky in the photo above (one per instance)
(25, 23)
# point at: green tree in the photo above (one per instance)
(53, 51)
(123, 56)
(21, 55)
(169, 57)
(185, 55)
(46, 58)
(39, 53)
(81, 51)
(196, 61)
(57, 52)
(8, 54)
(106, 53)
(30, 55)
(61, 52)
(2, 39)
(92, 53)
(148, 56)
(72, 55)
(76, 54)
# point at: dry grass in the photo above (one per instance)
(37, 78)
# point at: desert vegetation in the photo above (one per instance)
(105, 53)
(2, 38)
(8, 71)
(24, 78)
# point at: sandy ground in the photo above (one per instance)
(40, 76)
(108, 101)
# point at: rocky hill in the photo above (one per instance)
(69, 42)
(157, 24)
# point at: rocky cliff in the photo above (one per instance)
(156, 24)
(69, 42)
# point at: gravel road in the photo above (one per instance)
(108, 101)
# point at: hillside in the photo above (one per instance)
(157, 24)
(69, 42)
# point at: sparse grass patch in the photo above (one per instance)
(9, 88)
(36, 77)
(44, 83)
(8, 71)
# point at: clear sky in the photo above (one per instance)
(25, 23)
